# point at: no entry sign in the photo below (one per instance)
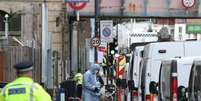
(188, 3)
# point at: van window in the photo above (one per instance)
(165, 82)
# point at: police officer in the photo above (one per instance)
(79, 80)
(24, 88)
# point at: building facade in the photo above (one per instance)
(25, 25)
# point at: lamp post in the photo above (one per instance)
(6, 26)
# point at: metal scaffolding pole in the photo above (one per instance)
(97, 10)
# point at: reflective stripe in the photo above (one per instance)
(174, 74)
(31, 92)
(30, 85)
(19, 85)
(4, 92)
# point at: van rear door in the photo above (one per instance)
(164, 81)
(195, 82)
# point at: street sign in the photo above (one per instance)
(76, 0)
(95, 42)
(193, 29)
(106, 27)
(188, 3)
(76, 6)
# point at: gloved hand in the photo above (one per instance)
(96, 90)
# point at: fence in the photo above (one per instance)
(9, 55)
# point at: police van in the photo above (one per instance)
(174, 77)
(133, 70)
(154, 53)
(194, 88)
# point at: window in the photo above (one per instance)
(2, 18)
(180, 29)
(14, 23)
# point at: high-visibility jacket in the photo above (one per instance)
(24, 89)
(104, 63)
(78, 78)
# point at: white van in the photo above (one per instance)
(133, 70)
(194, 89)
(173, 78)
(154, 53)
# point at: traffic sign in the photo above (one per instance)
(188, 3)
(76, 6)
(106, 32)
(76, 0)
(95, 42)
(106, 27)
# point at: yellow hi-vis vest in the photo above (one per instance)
(24, 89)
(104, 63)
(78, 78)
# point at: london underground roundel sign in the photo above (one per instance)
(78, 6)
(188, 3)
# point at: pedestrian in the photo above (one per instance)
(79, 80)
(104, 64)
(23, 88)
(91, 86)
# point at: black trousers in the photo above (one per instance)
(79, 91)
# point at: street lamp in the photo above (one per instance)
(6, 26)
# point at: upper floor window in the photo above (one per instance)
(14, 21)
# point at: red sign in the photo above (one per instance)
(77, 6)
(188, 3)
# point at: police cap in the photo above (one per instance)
(24, 66)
